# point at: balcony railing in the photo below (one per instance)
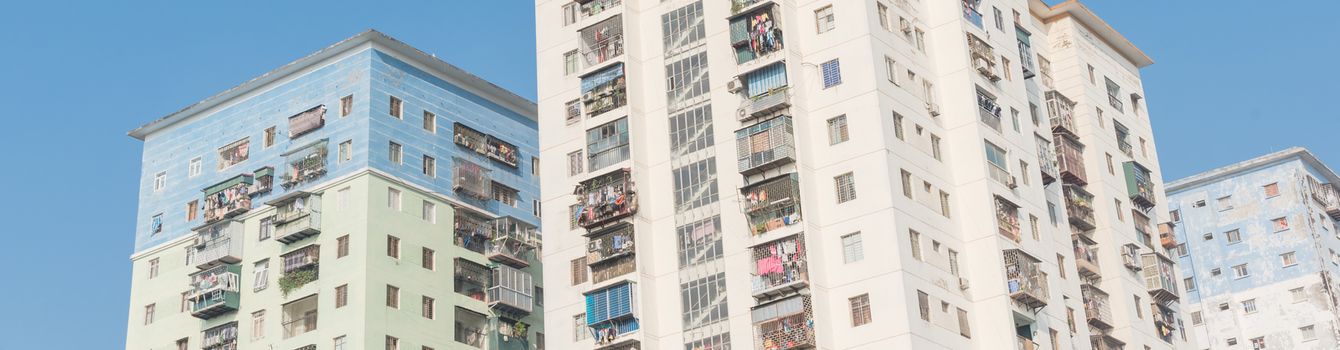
(1070, 160)
(1326, 195)
(1105, 341)
(1139, 185)
(471, 279)
(228, 198)
(764, 145)
(784, 325)
(1007, 219)
(594, 8)
(304, 164)
(511, 289)
(766, 103)
(756, 34)
(218, 243)
(1047, 162)
(1062, 112)
(297, 216)
(610, 245)
(970, 12)
(1096, 308)
(780, 267)
(1333, 204)
(603, 41)
(301, 324)
(988, 111)
(220, 338)
(606, 198)
(513, 242)
(1025, 279)
(772, 204)
(215, 291)
(471, 179)
(1086, 256)
(1079, 207)
(502, 151)
(471, 232)
(1159, 275)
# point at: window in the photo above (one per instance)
(1232, 341)
(505, 195)
(1189, 283)
(1023, 171)
(429, 259)
(1309, 332)
(1258, 343)
(395, 153)
(429, 308)
(953, 263)
(1233, 236)
(921, 40)
(269, 139)
(891, 69)
(346, 151)
(935, 147)
(1215, 272)
(1092, 78)
(1112, 170)
(837, 130)
(429, 166)
(1121, 216)
(570, 66)
(883, 11)
(342, 246)
(1240, 271)
(1272, 190)
(575, 163)
(184, 343)
(1000, 20)
(429, 122)
(1139, 308)
(824, 19)
(1298, 294)
(346, 105)
(898, 126)
(1289, 259)
(429, 212)
(392, 296)
(998, 163)
(580, 330)
(607, 144)
(846, 187)
(1182, 250)
(234, 153)
(149, 314)
(195, 167)
(914, 239)
(1175, 215)
(258, 325)
(573, 111)
(156, 224)
(160, 181)
(393, 199)
(393, 247)
(1249, 306)
(578, 266)
(1060, 262)
(261, 275)
(392, 343)
(1197, 318)
(860, 310)
(1225, 203)
(397, 107)
(1070, 316)
(341, 295)
(851, 248)
(923, 303)
(832, 73)
(153, 268)
(1280, 224)
(907, 184)
(944, 203)
(570, 13)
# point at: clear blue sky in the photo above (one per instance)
(1233, 80)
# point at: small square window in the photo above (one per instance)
(1272, 190)
(346, 105)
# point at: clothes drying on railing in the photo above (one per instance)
(764, 35)
(602, 202)
(780, 262)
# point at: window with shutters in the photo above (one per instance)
(837, 130)
(261, 275)
(824, 19)
(342, 246)
(578, 271)
(397, 107)
(393, 247)
(341, 295)
(392, 296)
(852, 250)
(832, 73)
(845, 186)
(860, 310)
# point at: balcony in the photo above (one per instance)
(1086, 256)
(1079, 207)
(766, 103)
(304, 164)
(983, 57)
(512, 334)
(1047, 162)
(765, 145)
(469, 138)
(1062, 112)
(756, 33)
(501, 151)
(1139, 185)
(592, 8)
(738, 6)
(1025, 343)
(229, 198)
(301, 266)
(471, 232)
(1332, 205)
(610, 245)
(784, 325)
(602, 42)
(215, 291)
(1025, 279)
(471, 328)
(513, 242)
(606, 198)
(471, 279)
(772, 204)
(510, 290)
(1106, 341)
(1326, 195)
(1070, 160)
(297, 216)
(264, 181)
(988, 110)
(1096, 308)
(612, 314)
(216, 244)
(1167, 236)
(220, 338)
(1143, 228)
(1159, 275)
(1025, 52)
(299, 317)
(470, 179)
(779, 268)
(1007, 219)
(970, 12)
(1165, 323)
(604, 90)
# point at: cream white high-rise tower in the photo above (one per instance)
(854, 174)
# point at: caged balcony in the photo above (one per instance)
(1167, 235)
(1326, 195)
(610, 245)
(469, 138)
(220, 338)
(470, 179)
(229, 198)
(1079, 207)
(983, 57)
(510, 290)
(1086, 256)
(470, 279)
(970, 12)
(784, 325)
(471, 232)
(1165, 321)
(1106, 341)
(592, 8)
(513, 242)
(300, 267)
(304, 164)
(297, 216)
(772, 204)
(1096, 308)
(471, 328)
(765, 145)
(1062, 112)
(605, 198)
(603, 41)
(780, 268)
(1007, 219)
(215, 291)
(216, 244)
(1159, 276)
(1070, 160)
(1047, 162)
(1025, 279)
(604, 90)
(1139, 185)
(756, 33)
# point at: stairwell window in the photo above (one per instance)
(832, 73)
(824, 19)
(845, 186)
(860, 310)
(837, 130)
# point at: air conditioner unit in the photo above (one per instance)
(735, 86)
(933, 108)
(1013, 183)
(962, 283)
(589, 95)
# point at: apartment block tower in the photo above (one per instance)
(872, 174)
(366, 196)
(1256, 243)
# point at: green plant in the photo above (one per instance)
(295, 279)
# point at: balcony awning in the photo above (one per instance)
(602, 77)
(229, 183)
(266, 171)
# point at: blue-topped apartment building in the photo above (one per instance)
(366, 195)
(1257, 243)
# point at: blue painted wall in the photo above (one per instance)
(371, 76)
